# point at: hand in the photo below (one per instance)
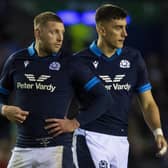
(161, 144)
(14, 113)
(58, 126)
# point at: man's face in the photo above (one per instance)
(114, 32)
(51, 37)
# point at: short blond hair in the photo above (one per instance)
(41, 19)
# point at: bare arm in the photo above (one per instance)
(59, 126)
(150, 110)
(14, 113)
(152, 118)
(98, 106)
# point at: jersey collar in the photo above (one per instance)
(32, 51)
(97, 51)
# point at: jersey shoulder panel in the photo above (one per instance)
(14, 56)
(86, 56)
(23, 53)
(84, 53)
(133, 55)
(131, 52)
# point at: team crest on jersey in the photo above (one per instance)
(95, 64)
(55, 66)
(26, 63)
(124, 64)
(103, 164)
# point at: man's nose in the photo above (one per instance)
(124, 33)
(60, 37)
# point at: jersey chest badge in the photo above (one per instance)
(55, 66)
(124, 64)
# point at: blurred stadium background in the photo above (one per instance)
(147, 31)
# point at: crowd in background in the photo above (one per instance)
(16, 32)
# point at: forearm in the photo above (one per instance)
(99, 106)
(1, 108)
(2, 111)
(152, 116)
(3, 101)
(93, 112)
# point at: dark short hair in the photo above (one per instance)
(42, 18)
(107, 12)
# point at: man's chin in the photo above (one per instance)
(56, 50)
(120, 45)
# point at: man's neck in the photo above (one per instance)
(107, 51)
(40, 51)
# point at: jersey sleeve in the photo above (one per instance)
(96, 93)
(82, 75)
(5, 81)
(143, 83)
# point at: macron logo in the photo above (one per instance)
(95, 64)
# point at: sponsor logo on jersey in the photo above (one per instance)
(103, 164)
(55, 66)
(37, 84)
(115, 83)
(41, 78)
(95, 64)
(124, 64)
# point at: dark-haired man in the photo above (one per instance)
(123, 72)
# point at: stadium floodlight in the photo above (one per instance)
(88, 18)
(69, 17)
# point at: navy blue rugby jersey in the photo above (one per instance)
(123, 74)
(44, 87)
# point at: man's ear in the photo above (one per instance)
(37, 33)
(100, 29)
